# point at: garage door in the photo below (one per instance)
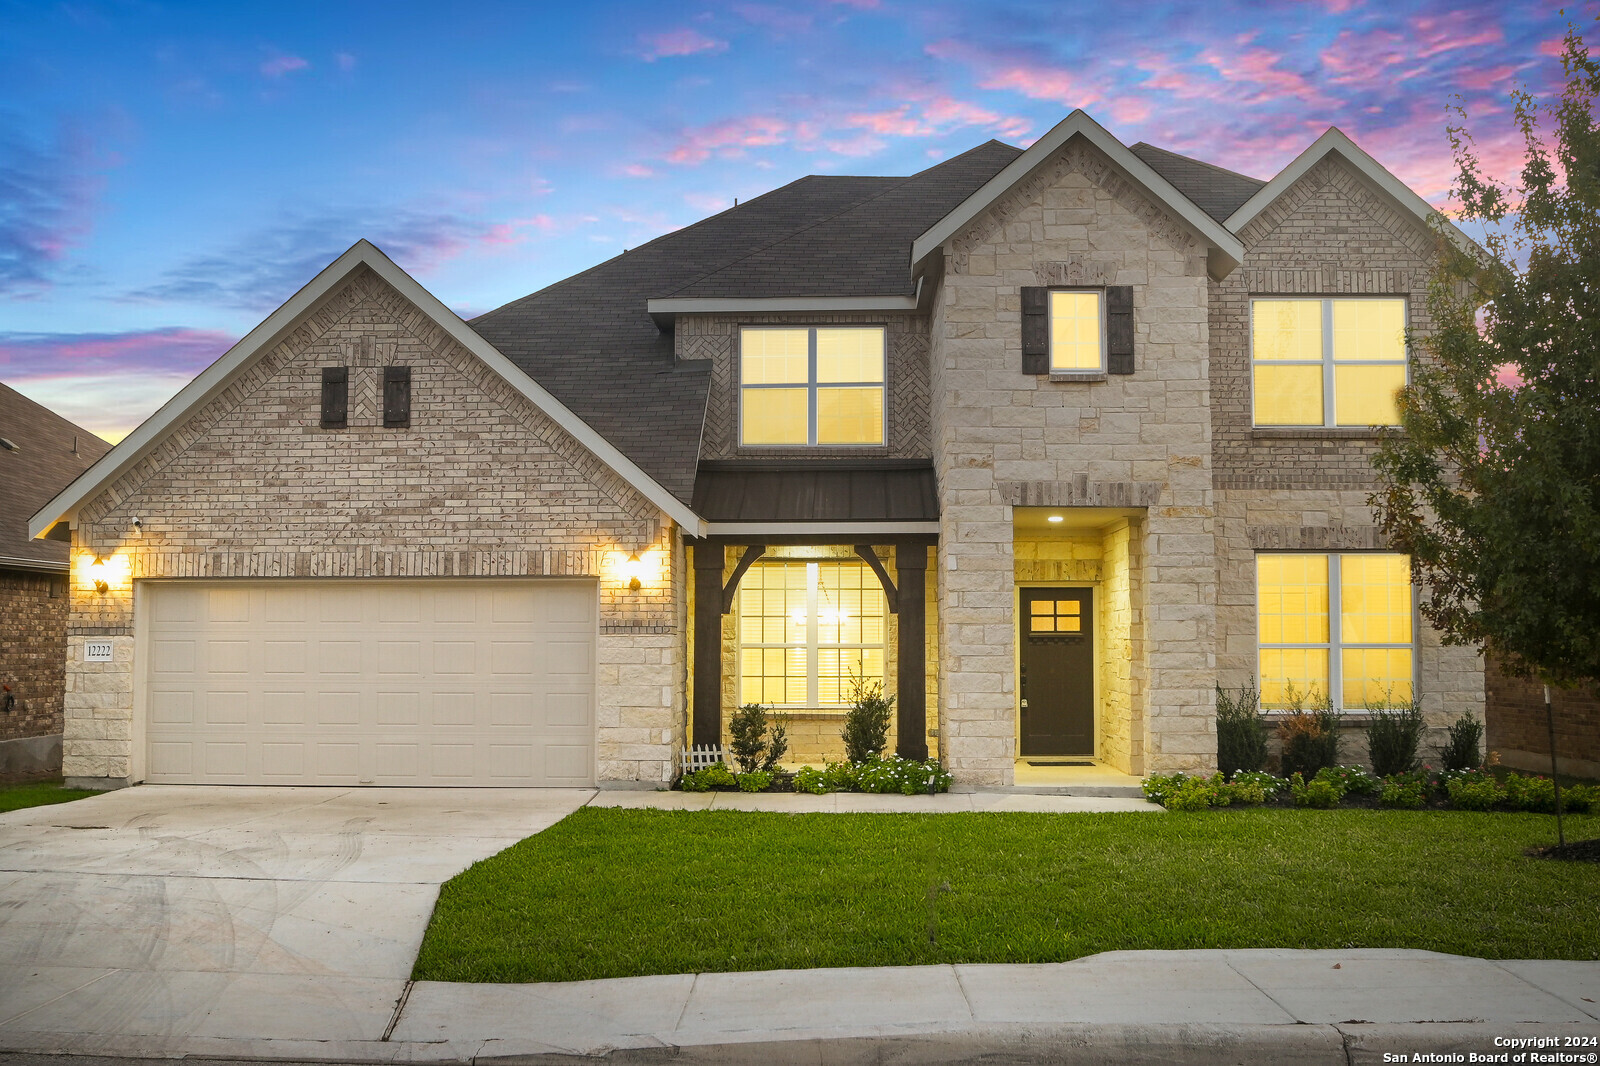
(400, 682)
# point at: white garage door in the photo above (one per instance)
(397, 682)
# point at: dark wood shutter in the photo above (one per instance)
(397, 396)
(1035, 329)
(335, 397)
(1119, 329)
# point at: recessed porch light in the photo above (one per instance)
(1055, 518)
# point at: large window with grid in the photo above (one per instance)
(1327, 362)
(807, 631)
(1339, 623)
(819, 385)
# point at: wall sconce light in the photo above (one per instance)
(97, 575)
(631, 570)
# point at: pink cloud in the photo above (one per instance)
(1555, 46)
(175, 349)
(1259, 66)
(638, 170)
(278, 66)
(684, 42)
(1432, 35)
(729, 138)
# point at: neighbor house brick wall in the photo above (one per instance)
(482, 483)
(1004, 439)
(716, 338)
(33, 645)
(1517, 727)
(1330, 234)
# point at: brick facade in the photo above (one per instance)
(1517, 728)
(1329, 234)
(482, 483)
(33, 644)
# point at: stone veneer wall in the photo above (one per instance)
(482, 483)
(716, 337)
(1003, 438)
(814, 736)
(33, 648)
(1329, 234)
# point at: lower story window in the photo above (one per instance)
(808, 631)
(1338, 624)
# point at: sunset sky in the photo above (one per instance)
(170, 173)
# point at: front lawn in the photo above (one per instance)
(39, 793)
(618, 893)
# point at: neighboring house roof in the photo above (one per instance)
(219, 375)
(40, 453)
(817, 490)
(1217, 192)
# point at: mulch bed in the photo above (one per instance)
(1572, 851)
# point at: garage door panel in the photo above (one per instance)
(385, 682)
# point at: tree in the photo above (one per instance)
(1492, 484)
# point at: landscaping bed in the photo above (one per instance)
(616, 893)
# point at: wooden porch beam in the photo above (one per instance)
(751, 554)
(890, 593)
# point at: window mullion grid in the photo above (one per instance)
(1335, 631)
(811, 384)
(1329, 416)
(812, 581)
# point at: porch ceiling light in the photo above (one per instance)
(632, 569)
(1055, 518)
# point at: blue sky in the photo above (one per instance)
(170, 173)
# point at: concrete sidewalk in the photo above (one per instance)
(1198, 1007)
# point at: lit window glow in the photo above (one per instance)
(821, 385)
(1327, 362)
(807, 630)
(1076, 330)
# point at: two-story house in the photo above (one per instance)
(1050, 443)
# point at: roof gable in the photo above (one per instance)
(222, 373)
(49, 452)
(1334, 142)
(1225, 250)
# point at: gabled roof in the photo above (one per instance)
(1334, 142)
(42, 453)
(1225, 250)
(219, 375)
(1214, 190)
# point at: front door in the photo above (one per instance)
(1057, 671)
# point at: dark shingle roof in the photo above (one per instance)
(1217, 192)
(814, 490)
(591, 342)
(42, 465)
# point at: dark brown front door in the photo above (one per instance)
(1057, 633)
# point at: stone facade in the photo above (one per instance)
(1330, 234)
(1003, 438)
(33, 643)
(482, 483)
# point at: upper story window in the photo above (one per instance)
(1327, 362)
(1077, 330)
(811, 385)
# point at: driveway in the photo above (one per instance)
(136, 920)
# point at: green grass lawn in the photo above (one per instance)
(616, 893)
(37, 794)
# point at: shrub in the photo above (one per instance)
(1533, 794)
(755, 781)
(752, 749)
(866, 725)
(905, 776)
(1322, 792)
(1474, 791)
(1460, 751)
(810, 779)
(714, 776)
(1267, 783)
(1157, 787)
(1580, 799)
(1241, 731)
(1245, 793)
(1194, 794)
(1407, 791)
(1393, 733)
(1310, 737)
(1350, 779)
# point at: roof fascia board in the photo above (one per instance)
(818, 529)
(1228, 252)
(1335, 141)
(220, 374)
(17, 562)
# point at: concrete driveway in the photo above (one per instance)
(153, 916)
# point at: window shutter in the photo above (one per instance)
(1035, 329)
(396, 396)
(335, 396)
(1119, 329)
